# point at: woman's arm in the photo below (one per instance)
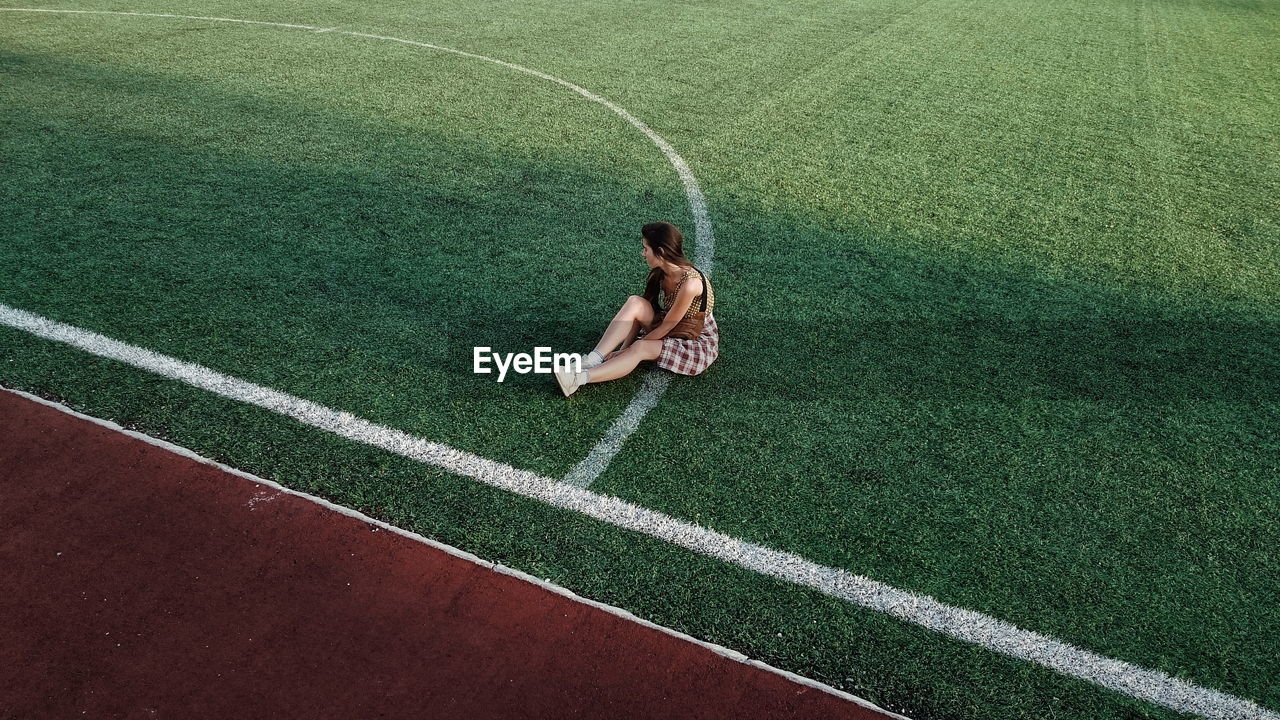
(691, 289)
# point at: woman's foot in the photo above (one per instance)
(592, 359)
(570, 381)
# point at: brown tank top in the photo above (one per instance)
(693, 306)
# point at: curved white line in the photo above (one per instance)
(656, 382)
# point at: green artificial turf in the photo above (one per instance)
(996, 283)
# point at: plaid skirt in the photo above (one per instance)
(691, 357)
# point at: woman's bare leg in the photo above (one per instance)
(623, 363)
(635, 313)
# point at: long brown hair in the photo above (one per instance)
(667, 243)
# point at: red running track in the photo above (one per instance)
(140, 583)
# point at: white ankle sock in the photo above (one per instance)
(592, 359)
(583, 378)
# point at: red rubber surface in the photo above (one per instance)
(138, 583)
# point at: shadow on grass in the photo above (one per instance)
(412, 248)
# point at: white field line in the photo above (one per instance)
(455, 552)
(586, 472)
(598, 459)
(983, 630)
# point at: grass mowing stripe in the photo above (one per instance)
(162, 15)
(651, 392)
(973, 627)
(458, 553)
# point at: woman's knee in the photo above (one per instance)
(638, 308)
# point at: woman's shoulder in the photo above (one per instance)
(690, 279)
(690, 273)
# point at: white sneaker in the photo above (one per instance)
(569, 380)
